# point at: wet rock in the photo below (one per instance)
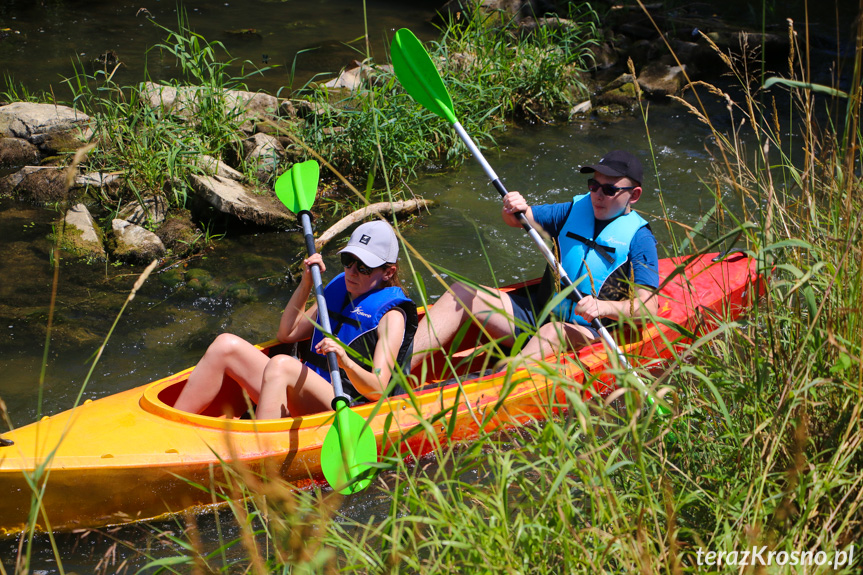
(44, 125)
(17, 152)
(201, 281)
(230, 197)
(620, 92)
(659, 79)
(37, 184)
(611, 111)
(696, 56)
(171, 277)
(152, 211)
(134, 244)
(265, 152)
(81, 235)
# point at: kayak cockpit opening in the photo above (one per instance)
(230, 403)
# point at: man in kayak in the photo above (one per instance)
(369, 313)
(607, 250)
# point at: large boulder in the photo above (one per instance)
(50, 127)
(151, 210)
(233, 198)
(17, 152)
(81, 236)
(134, 244)
(108, 184)
(37, 184)
(250, 107)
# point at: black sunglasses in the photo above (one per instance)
(607, 189)
(348, 260)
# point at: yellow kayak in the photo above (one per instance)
(132, 456)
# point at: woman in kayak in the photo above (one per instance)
(369, 313)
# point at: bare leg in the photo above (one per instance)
(228, 354)
(554, 337)
(440, 325)
(290, 389)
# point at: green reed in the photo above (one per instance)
(764, 449)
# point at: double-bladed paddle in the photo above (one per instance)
(420, 78)
(349, 446)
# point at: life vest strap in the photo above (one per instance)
(604, 251)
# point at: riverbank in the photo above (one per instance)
(175, 165)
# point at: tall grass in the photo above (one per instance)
(157, 149)
(764, 452)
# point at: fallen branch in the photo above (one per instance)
(405, 206)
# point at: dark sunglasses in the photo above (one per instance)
(607, 189)
(348, 260)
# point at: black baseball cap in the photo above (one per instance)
(617, 164)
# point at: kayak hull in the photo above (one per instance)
(131, 456)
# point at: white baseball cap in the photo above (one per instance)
(374, 243)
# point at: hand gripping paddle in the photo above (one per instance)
(420, 78)
(349, 446)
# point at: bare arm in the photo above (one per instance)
(296, 322)
(371, 384)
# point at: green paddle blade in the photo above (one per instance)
(347, 451)
(419, 76)
(298, 187)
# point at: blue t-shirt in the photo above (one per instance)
(643, 262)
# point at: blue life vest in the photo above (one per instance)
(355, 323)
(581, 252)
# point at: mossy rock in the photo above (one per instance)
(172, 277)
(242, 292)
(611, 111)
(180, 235)
(201, 281)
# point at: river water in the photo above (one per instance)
(241, 285)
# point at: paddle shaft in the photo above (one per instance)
(534, 235)
(323, 315)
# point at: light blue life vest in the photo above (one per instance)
(355, 322)
(581, 252)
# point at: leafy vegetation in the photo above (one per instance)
(495, 71)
